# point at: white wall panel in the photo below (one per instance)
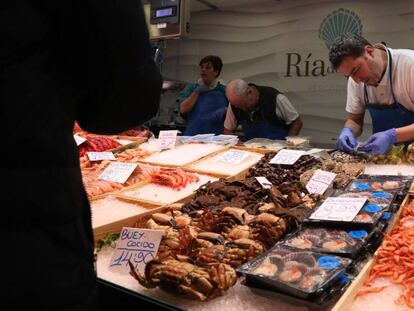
(255, 40)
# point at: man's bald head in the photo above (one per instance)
(239, 94)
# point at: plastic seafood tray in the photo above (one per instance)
(384, 199)
(322, 301)
(303, 274)
(332, 241)
(265, 143)
(388, 184)
(297, 141)
(385, 221)
(366, 219)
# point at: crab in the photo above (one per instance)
(214, 254)
(221, 221)
(238, 232)
(164, 221)
(198, 282)
(233, 253)
(206, 220)
(241, 250)
(204, 240)
(175, 242)
(231, 217)
(267, 228)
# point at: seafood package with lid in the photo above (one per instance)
(367, 217)
(383, 199)
(399, 185)
(297, 141)
(334, 241)
(382, 184)
(303, 274)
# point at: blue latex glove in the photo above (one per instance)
(219, 114)
(346, 140)
(201, 89)
(379, 142)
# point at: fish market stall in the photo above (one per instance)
(239, 244)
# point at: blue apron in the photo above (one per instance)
(264, 129)
(199, 119)
(385, 117)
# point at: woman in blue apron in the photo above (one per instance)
(385, 119)
(204, 104)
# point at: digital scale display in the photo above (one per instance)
(164, 12)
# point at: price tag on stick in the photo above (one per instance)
(79, 140)
(320, 181)
(168, 139)
(137, 246)
(264, 182)
(118, 172)
(339, 209)
(287, 156)
(99, 156)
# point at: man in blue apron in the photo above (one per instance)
(382, 81)
(261, 111)
(204, 104)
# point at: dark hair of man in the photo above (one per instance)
(215, 62)
(349, 44)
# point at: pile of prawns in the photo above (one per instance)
(395, 259)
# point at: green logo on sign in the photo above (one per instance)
(337, 23)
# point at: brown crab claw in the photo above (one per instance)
(238, 213)
(212, 237)
(132, 270)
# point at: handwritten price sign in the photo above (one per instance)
(287, 156)
(137, 246)
(167, 139)
(234, 156)
(99, 156)
(118, 172)
(320, 181)
(339, 209)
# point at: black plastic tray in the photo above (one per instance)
(348, 243)
(382, 198)
(294, 269)
(358, 223)
(324, 300)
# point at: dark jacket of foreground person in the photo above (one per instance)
(62, 61)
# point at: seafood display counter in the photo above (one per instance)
(239, 297)
(235, 244)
